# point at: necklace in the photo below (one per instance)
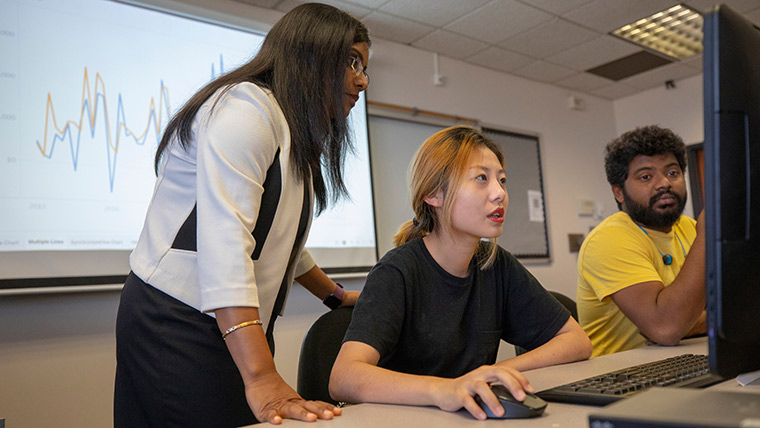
(666, 258)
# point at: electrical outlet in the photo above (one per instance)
(439, 80)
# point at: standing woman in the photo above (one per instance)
(427, 326)
(239, 168)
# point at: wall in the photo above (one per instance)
(57, 351)
(679, 109)
(57, 359)
(571, 141)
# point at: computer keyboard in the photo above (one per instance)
(683, 371)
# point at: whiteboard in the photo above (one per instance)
(393, 143)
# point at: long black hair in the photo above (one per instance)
(303, 61)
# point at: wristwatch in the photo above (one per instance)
(334, 300)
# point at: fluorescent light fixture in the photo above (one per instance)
(675, 32)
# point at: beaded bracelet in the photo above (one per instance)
(241, 325)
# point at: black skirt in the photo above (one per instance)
(173, 368)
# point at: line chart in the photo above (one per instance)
(88, 88)
(72, 130)
(221, 68)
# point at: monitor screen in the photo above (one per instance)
(88, 87)
(732, 175)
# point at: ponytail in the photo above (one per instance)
(418, 227)
(406, 233)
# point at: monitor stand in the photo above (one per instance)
(681, 408)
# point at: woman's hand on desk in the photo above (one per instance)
(454, 394)
(269, 397)
(272, 400)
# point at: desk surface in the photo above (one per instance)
(557, 415)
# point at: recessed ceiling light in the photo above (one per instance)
(675, 32)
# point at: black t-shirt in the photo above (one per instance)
(423, 320)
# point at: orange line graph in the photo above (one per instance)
(90, 101)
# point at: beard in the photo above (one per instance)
(646, 214)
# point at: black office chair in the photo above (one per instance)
(566, 302)
(318, 352)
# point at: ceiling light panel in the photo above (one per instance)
(675, 32)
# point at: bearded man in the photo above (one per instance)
(641, 271)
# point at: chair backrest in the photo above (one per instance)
(318, 352)
(566, 302)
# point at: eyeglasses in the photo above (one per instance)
(355, 63)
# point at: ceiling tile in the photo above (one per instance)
(615, 91)
(693, 62)
(583, 82)
(556, 7)
(548, 38)
(394, 28)
(500, 59)
(606, 15)
(450, 44)
(593, 53)
(353, 9)
(544, 72)
(553, 41)
(659, 76)
(432, 12)
(269, 4)
(498, 20)
(630, 65)
(373, 4)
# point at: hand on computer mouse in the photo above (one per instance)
(531, 406)
(454, 394)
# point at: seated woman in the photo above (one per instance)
(427, 326)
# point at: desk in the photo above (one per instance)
(557, 415)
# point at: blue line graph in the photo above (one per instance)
(221, 68)
(88, 90)
(72, 130)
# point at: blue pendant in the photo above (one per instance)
(667, 259)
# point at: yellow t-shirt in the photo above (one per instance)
(615, 255)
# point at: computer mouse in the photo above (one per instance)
(532, 406)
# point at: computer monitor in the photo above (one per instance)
(732, 190)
